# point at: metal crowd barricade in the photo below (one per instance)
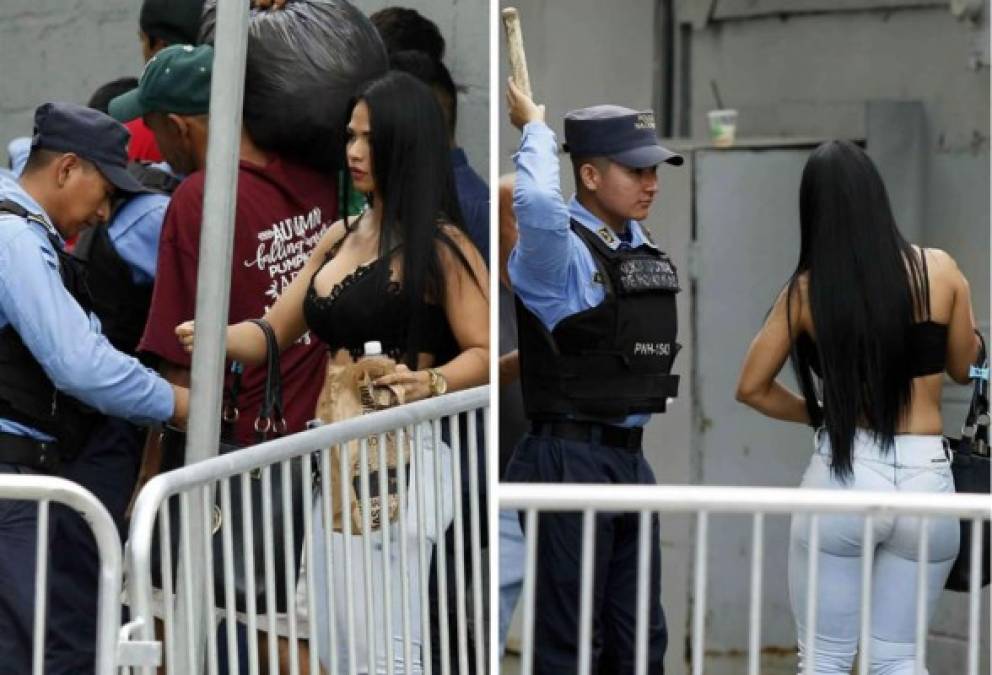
(705, 501)
(422, 421)
(48, 489)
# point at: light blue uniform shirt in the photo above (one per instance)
(65, 340)
(17, 152)
(134, 233)
(551, 268)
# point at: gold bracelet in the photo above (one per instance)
(437, 383)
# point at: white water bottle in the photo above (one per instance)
(373, 352)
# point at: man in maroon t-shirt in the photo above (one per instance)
(281, 211)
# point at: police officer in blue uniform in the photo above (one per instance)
(57, 371)
(119, 260)
(596, 329)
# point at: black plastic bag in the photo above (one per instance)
(304, 63)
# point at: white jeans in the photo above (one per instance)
(336, 617)
(913, 464)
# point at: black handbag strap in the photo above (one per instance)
(271, 418)
(976, 425)
(231, 413)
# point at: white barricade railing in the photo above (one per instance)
(706, 500)
(429, 508)
(48, 489)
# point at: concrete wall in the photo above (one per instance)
(581, 53)
(465, 27)
(53, 50)
(809, 74)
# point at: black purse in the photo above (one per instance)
(970, 465)
(270, 422)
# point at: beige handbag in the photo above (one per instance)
(348, 392)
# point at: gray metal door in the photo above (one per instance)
(746, 245)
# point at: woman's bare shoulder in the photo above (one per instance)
(332, 235)
(795, 296)
(456, 236)
(942, 268)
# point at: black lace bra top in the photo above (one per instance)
(367, 305)
(927, 341)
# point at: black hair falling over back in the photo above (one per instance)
(411, 166)
(865, 291)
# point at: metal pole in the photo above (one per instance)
(214, 273)
(757, 568)
(529, 592)
(40, 589)
(587, 574)
(643, 593)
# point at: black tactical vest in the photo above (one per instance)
(27, 395)
(120, 303)
(612, 360)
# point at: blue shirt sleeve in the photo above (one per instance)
(135, 231)
(538, 264)
(550, 268)
(60, 335)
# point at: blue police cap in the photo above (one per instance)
(94, 136)
(623, 135)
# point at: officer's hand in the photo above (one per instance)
(521, 108)
(416, 383)
(184, 333)
(268, 4)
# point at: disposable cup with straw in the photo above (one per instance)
(722, 121)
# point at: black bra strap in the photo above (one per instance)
(926, 281)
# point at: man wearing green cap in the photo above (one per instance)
(281, 211)
(161, 23)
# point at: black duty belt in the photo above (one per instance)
(40, 455)
(627, 438)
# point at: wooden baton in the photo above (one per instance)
(515, 50)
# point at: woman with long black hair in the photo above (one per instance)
(871, 323)
(402, 273)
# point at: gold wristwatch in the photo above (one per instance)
(438, 385)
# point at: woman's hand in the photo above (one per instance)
(521, 108)
(416, 383)
(184, 333)
(268, 4)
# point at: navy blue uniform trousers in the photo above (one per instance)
(18, 538)
(546, 459)
(108, 467)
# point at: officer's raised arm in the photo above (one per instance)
(540, 258)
